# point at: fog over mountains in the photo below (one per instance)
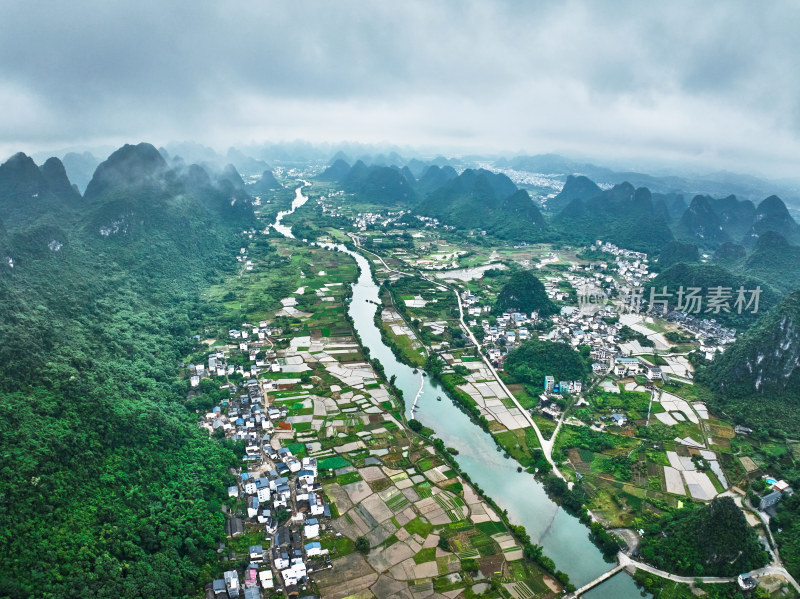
(709, 87)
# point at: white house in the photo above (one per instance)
(267, 582)
(311, 528)
(306, 477)
(256, 553)
(310, 464)
(317, 506)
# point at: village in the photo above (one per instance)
(327, 458)
(640, 378)
(334, 493)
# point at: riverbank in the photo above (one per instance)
(424, 523)
(566, 530)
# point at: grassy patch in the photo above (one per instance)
(350, 477)
(455, 488)
(302, 427)
(425, 464)
(296, 448)
(332, 463)
(490, 528)
(418, 527)
(338, 546)
(425, 555)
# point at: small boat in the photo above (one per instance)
(416, 371)
(439, 398)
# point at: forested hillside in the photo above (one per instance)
(676, 252)
(757, 379)
(710, 276)
(107, 489)
(712, 540)
(622, 215)
(479, 199)
(534, 360)
(524, 293)
(774, 259)
(379, 185)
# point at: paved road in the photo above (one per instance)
(547, 448)
(546, 445)
(765, 571)
(765, 521)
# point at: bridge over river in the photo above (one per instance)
(596, 581)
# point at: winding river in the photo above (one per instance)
(563, 537)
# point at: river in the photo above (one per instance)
(299, 200)
(562, 536)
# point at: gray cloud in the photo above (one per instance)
(714, 84)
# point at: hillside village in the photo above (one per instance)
(280, 490)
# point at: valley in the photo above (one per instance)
(418, 334)
(389, 403)
(420, 300)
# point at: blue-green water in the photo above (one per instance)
(562, 536)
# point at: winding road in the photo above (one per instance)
(546, 444)
(624, 560)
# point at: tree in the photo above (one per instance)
(712, 540)
(469, 565)
(534, 359)
(362, 545)
(415, 425)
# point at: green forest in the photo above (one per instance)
(524, 293)
(534, 359)
(757, 380)
(108, 488)
(710, 540)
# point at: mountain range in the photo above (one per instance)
(719, 184)
(133, 196)
(623, 215)
(475, 199)
(35, 195)
(582, 212)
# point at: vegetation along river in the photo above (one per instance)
(562, 536)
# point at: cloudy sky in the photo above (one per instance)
(714, 84)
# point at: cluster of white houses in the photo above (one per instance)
(281, 492)
(547, 406)
(251, 341)
(705, 328)
(285, 500)
(510, 329)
